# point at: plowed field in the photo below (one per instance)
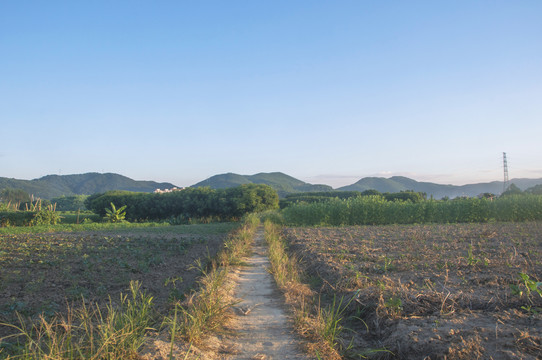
(459, 291)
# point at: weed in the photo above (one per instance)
(173, 332)
(471, 259)
(394, 305)
(330, 321)
(173, 281)
(387, 264)
(528, 287)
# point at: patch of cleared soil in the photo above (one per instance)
(431, 291)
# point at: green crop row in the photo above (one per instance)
(376, 210)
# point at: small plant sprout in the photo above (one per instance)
(530, 286)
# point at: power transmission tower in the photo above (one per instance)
(506, 179)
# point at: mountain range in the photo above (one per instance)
(401, 183)
(52, 186)
(285, 184)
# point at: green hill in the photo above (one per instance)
(52, 186)
(284, 184)
(401, 183)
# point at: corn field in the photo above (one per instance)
(375, 210)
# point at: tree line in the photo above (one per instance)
(190, 203)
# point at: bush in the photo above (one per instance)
(70, 203)
(273, 216)
(45, 217)
(74, 218)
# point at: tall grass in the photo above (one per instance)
(89, 332)
(206, 310)
(375, 210)
(283, 266)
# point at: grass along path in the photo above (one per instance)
(262, 326)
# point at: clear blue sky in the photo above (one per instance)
(325, 91)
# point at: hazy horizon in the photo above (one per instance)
(327, 92)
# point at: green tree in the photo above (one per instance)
(14, 196)
(535, 190)
(407, 195)
(371, 192)
(70, 203)
(512, 190)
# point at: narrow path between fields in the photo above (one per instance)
(265, 332)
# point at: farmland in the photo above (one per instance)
(454, 279)
(44, 273)
(417, 291)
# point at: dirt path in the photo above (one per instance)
(264, 330)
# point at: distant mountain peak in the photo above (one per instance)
(283, 183)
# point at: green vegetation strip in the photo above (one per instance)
(377, 210)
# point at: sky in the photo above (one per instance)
(325, 91)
